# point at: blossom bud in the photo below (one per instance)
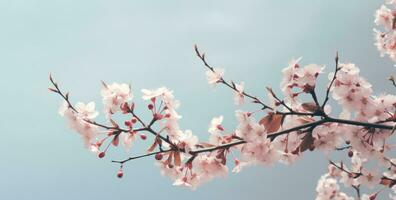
(143, 136)
(125, 108)
(150, 106)
(101, 154)
(158, 156)
(350, 153)
(152, 99)
(120, 173)
(133, 120)
(128, 123)
(348, 142)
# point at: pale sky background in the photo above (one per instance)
(149, 44)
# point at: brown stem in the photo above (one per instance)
(332, 81)
(141, 156)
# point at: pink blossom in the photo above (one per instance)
(86, 111)
(210, 166)
(114, 95)
(187, 141)
(214, 76)
(369, 178)
(215, 125)
(129, 138)
(238, 96)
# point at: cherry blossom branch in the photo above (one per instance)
(117, 130)
(309, 125)
(201, 56)
(358, 174)
(66, 98)
(272, 136)
(232, 86)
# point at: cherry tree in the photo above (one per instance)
(281, 130)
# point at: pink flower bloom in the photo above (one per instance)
(288, 75)
(183, 181)
(77, 121)
(369, 178)
(238, 96)
(215, 125)
(384, 17)
(247, 128)
(129, 138)
(86, 111)
(114, 95)
(187, 141)
(328, 188)
(348, 179)
(164, 94)
(214, 76)
(303, 78)
(210, 166)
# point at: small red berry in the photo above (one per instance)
(101, 154)
(158, 156)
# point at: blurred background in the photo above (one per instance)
(150, 44)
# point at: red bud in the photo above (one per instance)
(133, 120)
(101, 154)
(128, 123)
(120, 173)
(143, 136)
(158, 156)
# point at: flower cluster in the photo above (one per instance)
(280, 131)
(78, 119)
(386, 36)
(357, 176)
(303, 78)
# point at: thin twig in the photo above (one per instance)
(332, 81)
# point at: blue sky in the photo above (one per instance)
(150, 44)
